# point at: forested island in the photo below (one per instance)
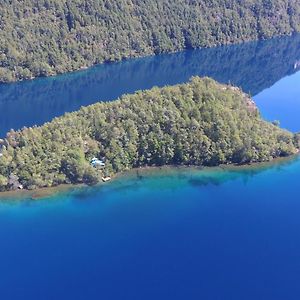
(48, 37)
(200, 123)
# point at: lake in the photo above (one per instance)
(169, 234)
(255, 67)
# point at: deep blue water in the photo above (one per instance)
(282, 102)
(252, 66)
(190, 234)
(181, 235)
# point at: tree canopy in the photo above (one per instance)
(47, 37)
(201, 123)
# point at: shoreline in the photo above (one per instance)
(146, 55)
(148, 171)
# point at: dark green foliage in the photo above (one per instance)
(198, 123)
(46, 37)
(252, 66)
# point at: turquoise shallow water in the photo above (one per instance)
(186, 234)
(172, 234)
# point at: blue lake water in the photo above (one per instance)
(174, 234)
(254, 67)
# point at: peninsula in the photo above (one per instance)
(199, 123)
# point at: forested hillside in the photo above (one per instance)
(46, 37)
(200, 123)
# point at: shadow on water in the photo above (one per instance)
(205, 181)
(154, 179)
(245, 173)
(253, 66)
(175, 178)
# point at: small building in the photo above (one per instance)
(95, 162)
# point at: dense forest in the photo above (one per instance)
(252, 66)
(47, 37)
(200, 123)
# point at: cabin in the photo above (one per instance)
(95, 162)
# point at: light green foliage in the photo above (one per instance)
(3, 182)
(197, 123)
(46, 37)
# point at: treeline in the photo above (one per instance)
(253, 66)
(199, 123)
(46, 37)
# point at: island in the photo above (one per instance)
(198, 123)
(44, 38)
